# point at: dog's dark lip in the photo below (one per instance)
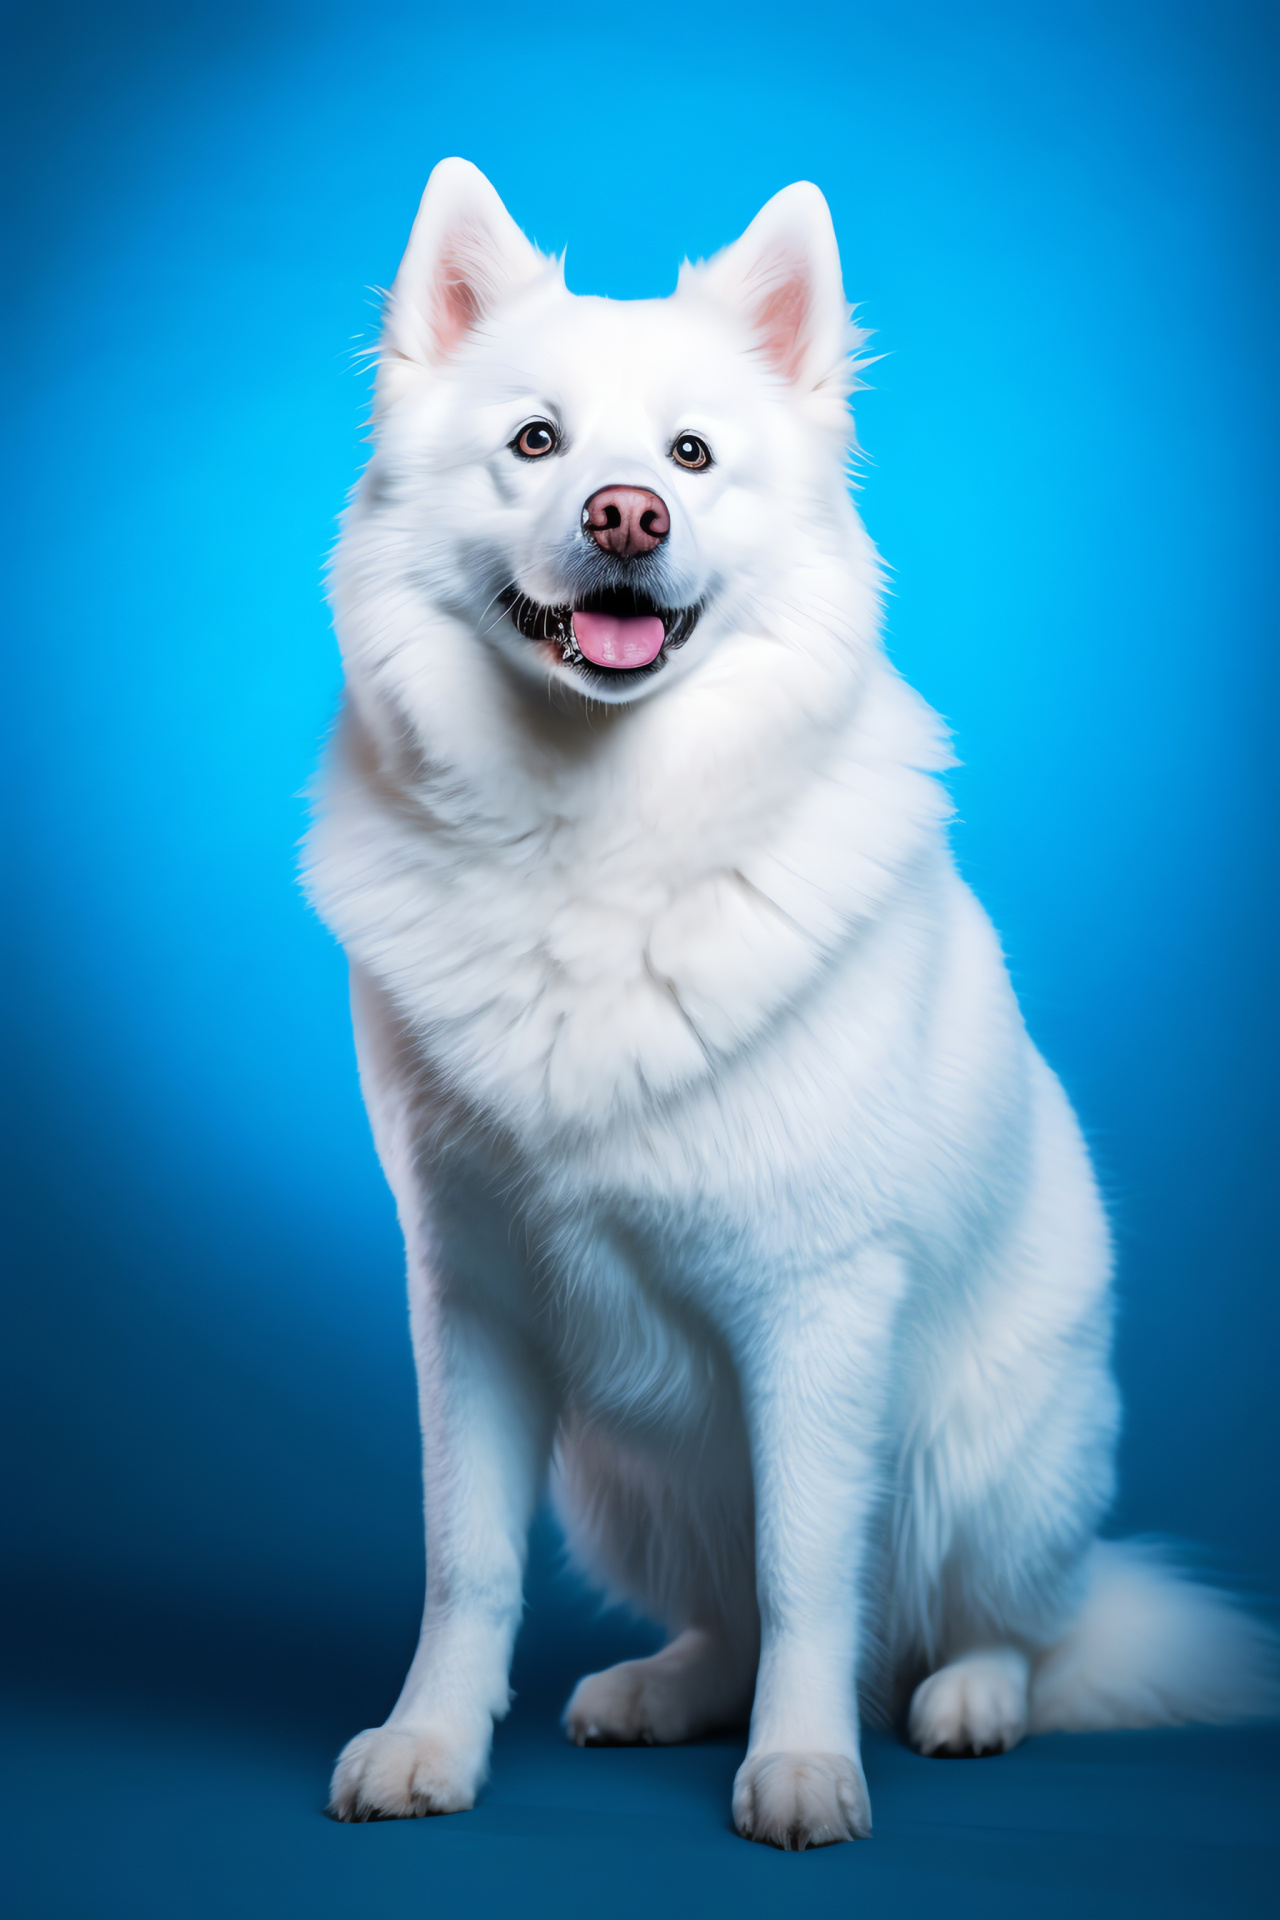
(555, 624)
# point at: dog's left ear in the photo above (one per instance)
(784, 275)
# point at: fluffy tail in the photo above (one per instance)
(1151, 1648)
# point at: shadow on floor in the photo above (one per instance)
(170, 1762)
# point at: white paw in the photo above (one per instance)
(796, 1800)
(691, 1687)
(402, 1773)
(975, 1706)
(623, 1706)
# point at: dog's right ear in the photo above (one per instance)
(465, 256)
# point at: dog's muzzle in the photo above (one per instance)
(617, 632)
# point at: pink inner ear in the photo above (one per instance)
(458, 300)
(781, 320)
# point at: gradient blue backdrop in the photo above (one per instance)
(1057, 219)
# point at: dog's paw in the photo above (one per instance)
(403, 1773)
(624, 1706)
(975, 1706)
(795, 1800)
(691, 1687)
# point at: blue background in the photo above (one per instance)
(1058, 221)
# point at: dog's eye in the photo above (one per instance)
(689, 451)
(537, 438)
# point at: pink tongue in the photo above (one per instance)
(609, 642)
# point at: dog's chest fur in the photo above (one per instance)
(633, 935)
(675, 1089)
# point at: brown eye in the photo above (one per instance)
(688, 451)
(537, 438)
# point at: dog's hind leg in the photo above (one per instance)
(699, 1682)
(681, 1554)
(1001, 1495)
(973, 1706)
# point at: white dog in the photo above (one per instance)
(732, 1185)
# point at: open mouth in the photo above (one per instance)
(616, 634)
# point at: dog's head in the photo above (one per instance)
(600, 489)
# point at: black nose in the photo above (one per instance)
(626, 520)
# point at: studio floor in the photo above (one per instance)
(184, 1801)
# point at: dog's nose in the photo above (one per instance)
(626, 520)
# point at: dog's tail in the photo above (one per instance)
(1152, 1647)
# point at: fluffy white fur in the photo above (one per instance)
(732, 1186)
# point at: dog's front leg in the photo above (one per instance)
(487, 1418)
(486, 1427)
(814, 1378)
